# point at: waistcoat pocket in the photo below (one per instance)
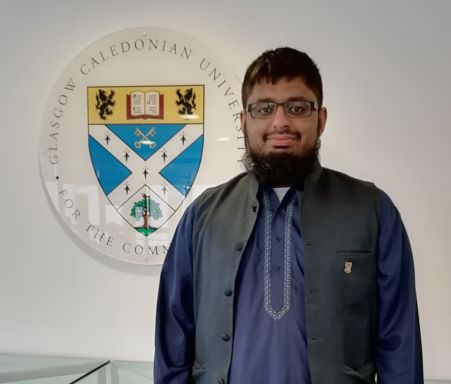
(358, 279)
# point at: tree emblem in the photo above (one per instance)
(146, 209)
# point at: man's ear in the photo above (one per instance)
(243, 123)
(322, 119)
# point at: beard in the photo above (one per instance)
(281, 169)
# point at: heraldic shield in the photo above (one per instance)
(146, 145)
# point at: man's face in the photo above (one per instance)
(282, 134)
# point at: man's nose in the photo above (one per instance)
(280, 119)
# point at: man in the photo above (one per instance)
(290, 272)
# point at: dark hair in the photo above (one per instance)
(275, 64)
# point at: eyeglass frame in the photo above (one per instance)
(313, 107)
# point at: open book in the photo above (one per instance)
(142, 105)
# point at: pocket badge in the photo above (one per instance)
(348, 267)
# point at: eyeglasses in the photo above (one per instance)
(267, 109)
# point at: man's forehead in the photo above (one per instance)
(271, 80)
(295, 85)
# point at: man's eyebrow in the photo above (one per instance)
(299, 98)
(264, 100)
(294, 98)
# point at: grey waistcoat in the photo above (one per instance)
(339, 219)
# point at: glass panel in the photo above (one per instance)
(127, 372)
(121, 372)
(27, 369)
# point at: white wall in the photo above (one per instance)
(386, 68)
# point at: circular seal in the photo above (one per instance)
(135, 128)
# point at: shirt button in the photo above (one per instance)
(277, 239)
(239, 246)
(254, 208)
(228, 292)
(225, 337)
(221, 381)
(276, 268)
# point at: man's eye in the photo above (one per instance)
(264, 109)
(297, 109)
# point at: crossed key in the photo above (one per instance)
(144, 138)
